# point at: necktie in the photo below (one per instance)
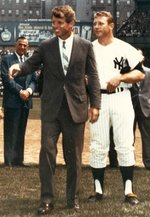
(65, 58)
(21, 59)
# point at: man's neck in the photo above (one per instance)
(65, 37)
(106, 40)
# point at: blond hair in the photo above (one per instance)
(106, 14)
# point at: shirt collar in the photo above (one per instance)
(68, 40)
(19, 56)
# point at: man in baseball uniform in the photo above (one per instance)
(119, 66)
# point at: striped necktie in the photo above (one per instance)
(65, 58)
(21, 59)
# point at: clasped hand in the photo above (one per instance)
(24, 95)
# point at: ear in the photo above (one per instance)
(112, 25)
(72, 23)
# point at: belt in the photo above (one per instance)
(117, 90)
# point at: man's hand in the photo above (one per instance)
(24, 95)
(14, 70)
(93, 114)
(1, 113)
(113, 83)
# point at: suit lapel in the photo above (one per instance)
(56, 54)
(15, 58)
(74, 52)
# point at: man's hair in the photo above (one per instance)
(22, 37)
(106, 14)
(64, 11)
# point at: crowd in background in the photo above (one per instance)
(135, 26)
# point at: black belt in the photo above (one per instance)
(117, 90)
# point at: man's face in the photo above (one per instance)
(61, 28)
(21, 47)
(101, 27)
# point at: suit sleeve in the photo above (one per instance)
(33, 82)
(93, 79)
(12, 85)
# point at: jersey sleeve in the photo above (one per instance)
(133, 56)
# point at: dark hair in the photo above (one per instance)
(107, 14)
(64, 11)
(22, 37)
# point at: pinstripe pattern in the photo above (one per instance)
(113, 112)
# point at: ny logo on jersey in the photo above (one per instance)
(122, 65)
(118, 63)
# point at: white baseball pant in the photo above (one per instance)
(116, 111)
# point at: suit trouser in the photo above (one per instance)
(15, 121)
(144, 127)
(72, 141)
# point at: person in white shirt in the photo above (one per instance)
(118, 66)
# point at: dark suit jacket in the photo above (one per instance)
(144, 93)
(11, 98)
(82, 62)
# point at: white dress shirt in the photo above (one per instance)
(68, 44)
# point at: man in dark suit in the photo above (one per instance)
(64, 106)
(141, 102)
(17, 101)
